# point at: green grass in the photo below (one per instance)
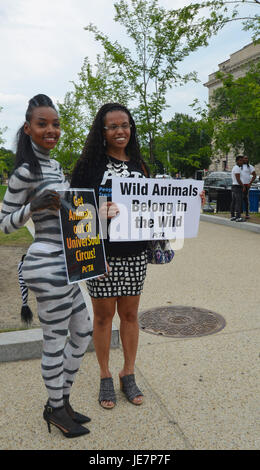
(20, 237)
(8, 330)
(254, 216)
(2, 191)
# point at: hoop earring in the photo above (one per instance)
(104, 142)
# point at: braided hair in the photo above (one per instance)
(24, 150)
(94, 151)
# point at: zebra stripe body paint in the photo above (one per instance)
(61, 307)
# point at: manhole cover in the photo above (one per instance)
(181, 322)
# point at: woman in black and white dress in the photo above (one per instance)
(112, 149)
(31, 193)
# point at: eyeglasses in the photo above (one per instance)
(114, 127)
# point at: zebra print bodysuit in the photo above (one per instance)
(61, 307)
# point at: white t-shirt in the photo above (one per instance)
(246, 172)
(236, 169)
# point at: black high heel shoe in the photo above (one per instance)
(77, 417)
(61, 419)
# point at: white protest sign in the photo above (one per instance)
(155, 209)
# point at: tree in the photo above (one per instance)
(96, 85)
(160, 40)
(2, 131)
(3, 163)
(228, 11)
(7, 159)
(140, 75)
(184, 145)
(3, 166)
(73, 124)
(235, 113)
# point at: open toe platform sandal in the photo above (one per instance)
(107, 393)
(130, 389)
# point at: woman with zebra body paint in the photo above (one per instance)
(31, 193)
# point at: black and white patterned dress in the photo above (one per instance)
(61, 307)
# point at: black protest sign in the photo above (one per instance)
(81, 235)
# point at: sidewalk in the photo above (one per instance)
(201, 393)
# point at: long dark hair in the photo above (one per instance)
(24, 150)
(94, 152)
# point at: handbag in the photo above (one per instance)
(159, 252)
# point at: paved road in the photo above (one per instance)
(200, 392)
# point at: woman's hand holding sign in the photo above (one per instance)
(106, 274)
(203, 198)
(108, 210)
(49, 199)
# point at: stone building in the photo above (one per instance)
(237, 65)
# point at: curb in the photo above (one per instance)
(223, 221)
(27, 344)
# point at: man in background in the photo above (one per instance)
(237, 190)
(248, 175)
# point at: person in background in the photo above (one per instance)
(112, 150)
(237, 191)
(31, 193)
(248, 175)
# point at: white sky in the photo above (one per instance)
(43, 45)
